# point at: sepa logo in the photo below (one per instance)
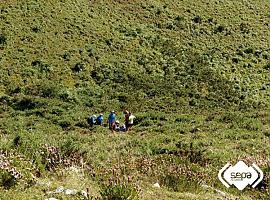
(240, 175)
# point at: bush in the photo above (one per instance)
(26, 103)
(180, 177)
(65, 124)
(183, 119)
(147, 123)
(78, 67)
(48, 89)
(244, 28)
(119, 192)
(15, 169)
(50, 157)
(41, 66)
(179, 183)
(248, 50)
(219, 29)
(68, 96)
(250, 124)
(267, 67)
(193, 152)
(66, 56)
(3, 40)
(197, 19)
(7, 180)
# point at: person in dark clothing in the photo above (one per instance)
(100, 119)
(126, 112)
(92, 120)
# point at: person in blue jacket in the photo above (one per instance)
(100, 119)
(111, 121)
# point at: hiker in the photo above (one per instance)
(117, 125)
(100, 119)
(126, 112)
(130, 121)
(92, 120)
(120, 128)
(111, 121)
(123, 128)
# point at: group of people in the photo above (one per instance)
(114, 124)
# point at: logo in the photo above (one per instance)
(240, 175)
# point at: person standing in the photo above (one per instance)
(130, 121)
(111, 121)
(126, 112)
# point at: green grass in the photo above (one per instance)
(144, 154)
(195, 73)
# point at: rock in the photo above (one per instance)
(156, 185)
(70, 192)
(46, 184)
(221, 193)
(84, 193)
(59, 189)
(205, 186)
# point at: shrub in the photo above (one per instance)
(197, 19)
(193, 152)
(170, 26)
(66, 56)
(7, 180)
(219, 29)
(180, 177)
(250, 124)
(78, 67)
(5, 99)
(35, 29)
(248, 50)
(47, 89)
(267, 67)
(50, 157)
(68, 96)
(244, 28)
(179, 182)
(183, 119)
(26, 103)
(17, 141)
(3, 40)
(141, 118)
(267, 133)
(65, 124)
(109, 42)
(82, 124)
(147, 123)
(15, 168)
(119, 192)
(235, 60)
(41, 66)
(230, 117)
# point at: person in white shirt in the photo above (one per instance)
(130, 121)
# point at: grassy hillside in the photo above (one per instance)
(213, 54)
(195, 73)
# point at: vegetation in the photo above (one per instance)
(195, 73)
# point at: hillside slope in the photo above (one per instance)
(125, 53)
(195, 73)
